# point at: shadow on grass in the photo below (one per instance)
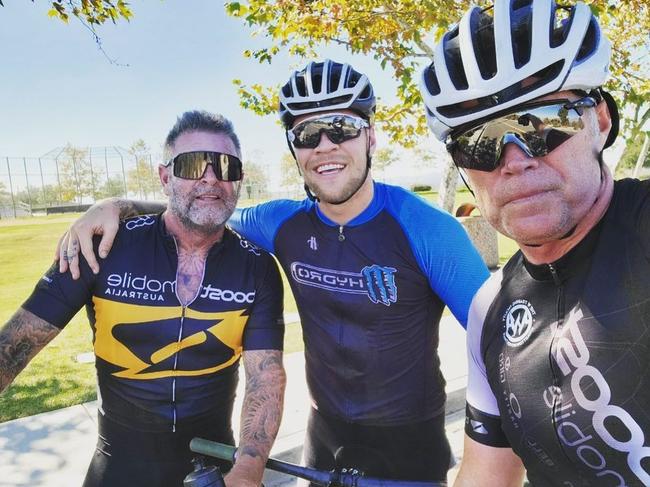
(33, 397)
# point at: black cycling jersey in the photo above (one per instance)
(558, 355)
(162, 366)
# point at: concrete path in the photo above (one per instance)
(53, 449)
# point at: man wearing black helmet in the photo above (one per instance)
(557, 340)
(371, 267)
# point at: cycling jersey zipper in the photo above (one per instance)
(180, 331)
(556, 277)
(341, 235)
(558, 403)
(178, 339)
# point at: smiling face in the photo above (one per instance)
(536, 200)
(203, 204)
(336, 172)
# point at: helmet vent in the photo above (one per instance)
(316, 80)
(513, 91)
(521, 34)
(366, 93)
(482, 25)
(589, 43)
(561, 25)
(300, 85)
(454, 61)
(431, 80)
(334, 78)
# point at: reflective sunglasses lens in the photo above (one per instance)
(540, 129)
(230, 167)
(192, 165)
(307, 134)
(338, 129)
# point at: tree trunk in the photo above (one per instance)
(448, 184)
(642, 154)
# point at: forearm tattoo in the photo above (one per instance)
(22, 337)
(263, 402)
(130, 208)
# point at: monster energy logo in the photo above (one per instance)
(375, 281)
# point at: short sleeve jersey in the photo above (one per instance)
(559, 355)
(370, 296)
(160, 364)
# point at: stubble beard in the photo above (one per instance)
(204, 220)
(348, 191)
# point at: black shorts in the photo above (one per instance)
(417, 451)
(126, 457)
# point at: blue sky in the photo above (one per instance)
(57, 87)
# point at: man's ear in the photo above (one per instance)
(604, 122)
(164, 172)
(372, 138)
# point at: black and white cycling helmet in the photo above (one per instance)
(508, 54)
(325, 86)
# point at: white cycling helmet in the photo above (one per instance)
(492, 61)
(325, 86)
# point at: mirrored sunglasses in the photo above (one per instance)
(338, 129)
(537, 128)
(192, 165)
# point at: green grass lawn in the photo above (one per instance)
(54, 379)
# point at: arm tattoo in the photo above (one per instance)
(21, 338)
(129, 208)
(263, 402)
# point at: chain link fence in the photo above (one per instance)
(70, 179)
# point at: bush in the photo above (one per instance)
(420, 188)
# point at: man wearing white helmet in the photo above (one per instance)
(371, 267)
(558, 339)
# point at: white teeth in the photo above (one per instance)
(328, 167)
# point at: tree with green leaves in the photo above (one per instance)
(255, 179)
(46, 195)
(291, 178)
(78, 179)
(401, 34)
(113, 186)
(142, 180)
(384, 157)
(91, 13)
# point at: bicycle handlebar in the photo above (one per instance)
(343, 478)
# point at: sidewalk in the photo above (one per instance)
(53, 449)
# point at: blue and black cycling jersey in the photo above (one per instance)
(370, 296)
(160, 364)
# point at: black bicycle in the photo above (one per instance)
(345, 477)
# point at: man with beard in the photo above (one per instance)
(176, 304)
(371, 267)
